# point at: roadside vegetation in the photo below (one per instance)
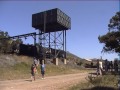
(105, 82)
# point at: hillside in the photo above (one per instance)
(16, 67)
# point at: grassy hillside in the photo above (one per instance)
(17, 67)
(14, 67)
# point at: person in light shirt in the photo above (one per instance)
(100, 67)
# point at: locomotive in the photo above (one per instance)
(37, 51)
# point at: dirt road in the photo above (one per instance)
(61, 82)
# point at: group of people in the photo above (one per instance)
(34, 67)
(111, 66)
(108, 66)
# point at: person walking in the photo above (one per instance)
(36, 63)
(33, 71)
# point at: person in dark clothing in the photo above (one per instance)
(91, 64)
(106, 65)
(111, 66)
(116, 66)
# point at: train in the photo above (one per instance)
(37, 51)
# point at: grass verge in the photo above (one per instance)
(106, 82)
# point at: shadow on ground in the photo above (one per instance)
(101, 88)
(28, 80)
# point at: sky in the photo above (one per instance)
(89, 19)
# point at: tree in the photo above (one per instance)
(7, 44)
(3, 42)
(15, 43)
(111, 40)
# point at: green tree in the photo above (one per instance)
(15, 43)
(4, 43)
(111, 40)
(7, 44)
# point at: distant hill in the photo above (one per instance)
(71, 55)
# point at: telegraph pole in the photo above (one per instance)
(119, 59)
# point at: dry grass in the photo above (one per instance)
(22, 70)
(58, 70)
(22, 66)
(14, 67)
(106, 82)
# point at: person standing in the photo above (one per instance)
(98, 67)
(91, 64)
(111, 66)
(116, 66)
(43, 69)
(106, 65)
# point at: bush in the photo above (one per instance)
(99, 83)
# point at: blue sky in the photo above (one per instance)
(89, 19)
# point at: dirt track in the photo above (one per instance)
(61, 82)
